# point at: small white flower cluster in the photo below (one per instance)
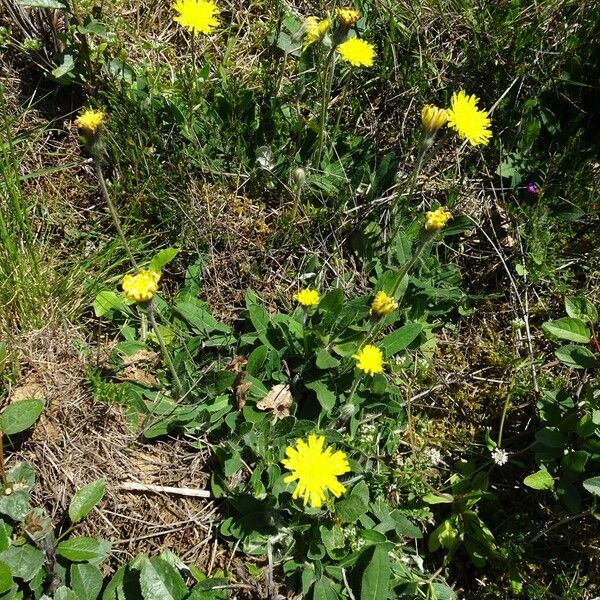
(434, 456)
(368, 434)
(351, 535)
(499, 456)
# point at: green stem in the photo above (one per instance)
(411, 191)
(354, 388)
(113, 211)
(280, 75)
(344, 93)
(502, 419)
(65, 533)
(2, 468)
(425, 237)
(297, 197)
(325, 98)
(163, 347)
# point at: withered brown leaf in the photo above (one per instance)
(278, 400)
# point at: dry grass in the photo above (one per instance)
(78, 440)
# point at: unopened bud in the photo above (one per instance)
(347, 411)
(299, 175)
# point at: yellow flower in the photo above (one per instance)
(197, 16)
(140, 287)
(433, 118)
(467, 120)
(90, 120)
(357, 52)
(314, 30)
(315, 470)
(307, 297)
(437, 219)
(383, 305)
(348, 16)
(369, 359)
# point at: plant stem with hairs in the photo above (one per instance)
(411, 190)
(325, 98)
(2, 468)
(113, 211)
(150, 309)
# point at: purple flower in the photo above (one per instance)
(532, 188)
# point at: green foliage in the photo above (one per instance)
(577, 327)
(252, 387)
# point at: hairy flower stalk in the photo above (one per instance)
(355, 51)
(90, 123)
(150, 309)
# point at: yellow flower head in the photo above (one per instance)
(307, 297)
(467, 120)
(357, 52)
(315, 470)
(315, 30)
(140, 287)
(433, 118)
(197, 16)
(90, 120)
(437, 218)
(383, 305)
(369, 359)
(347, 17)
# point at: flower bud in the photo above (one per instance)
(382, 305)
(432, 118)
(299, 175)
(437, 219)
(347, 411)
(347, 17)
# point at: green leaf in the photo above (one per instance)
(256, 360)
(15, 505)
(107, 301)
(404, 527)
(258, 316)
(84, 549)
(51, 4)
(200, 319)
(592, 485)
(384, 176)
(551, 437)
(400, 339)
(375, 582)
(332, 301)
(355, 505)
(3, 356)
(6, 579)
(159, 579)
(86, 581)
(576, 357)
(568, 328)
(442, 591)
(579, 307)
(67, 66)
(162, 258)
(432, 498)
(21, 415)
(85, 499)
(4, 536)
(325, 360)
(325, 396)
(541, 480)
(114, 588)
(24, 561)
(64, 593)
(324, 590)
